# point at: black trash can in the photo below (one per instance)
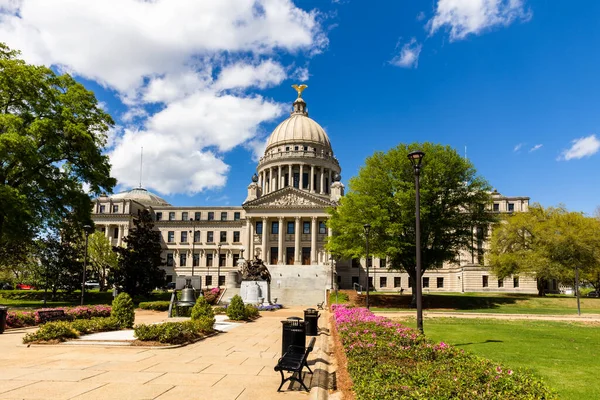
(311, 316)
(294, 333)
(3, 314)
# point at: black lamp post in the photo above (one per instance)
(87, 229)
(193, 243)
(367, 230)
(219, 266)
(415, 158)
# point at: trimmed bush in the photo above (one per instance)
(58, 330)
(220, 310)
(155, 305)
(123, 310)
(403, 364)
(236, 311)
(202, 309)
(174, 332)
(251, 311)
(98, 324)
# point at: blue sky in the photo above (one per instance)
(200, 87)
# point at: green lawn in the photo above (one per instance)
(564, 354)
(488, 303)
(31, 299)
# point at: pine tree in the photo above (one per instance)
(140, 262)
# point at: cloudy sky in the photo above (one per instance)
(201, 84)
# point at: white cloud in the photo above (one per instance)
(421, 16)
(464, 17)
(536, 147)
(408, 56)
(582, 147)
(183, 68)
(518, 147)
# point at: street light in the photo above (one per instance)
(367, 230)
(219, 266)
(87, 229)
(415, 158)
(193, 243)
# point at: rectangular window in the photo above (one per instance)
(236, 216)
(354, 280)
(296, 179)
(184, 236)
(221, 280)
(306, 256)
(511, 207)
(397, 282)
(409, 282)
(516, 281)
(197, 216)
(289, 255)
(211, 216)
(426, 282)
(222, 260)
(500, 282)
(485, 281)
(209, 260)
(184, 216)
(102, 209)
(304, 180)
(223, 236)
(170, 236)
(196, 260)
(440, 283)
(306, 227)
(322, 227)
(208, 280)
(274, 228)
(258, 228)
(116, 233)
(182, 259)
(274, 255)
(382, 281)
(171, 216)
(236, 236)
(210, 237)
(196, 236)
(236, 258)
(115, 208)
(496, 207)
(224, 216)
(355, 263)
(158, 216)
(291, 227)
(169, 259)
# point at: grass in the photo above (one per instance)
(504, 303)
(564, 354)
(31, 299)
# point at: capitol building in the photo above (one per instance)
(283, 221)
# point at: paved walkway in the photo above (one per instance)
(235, 365)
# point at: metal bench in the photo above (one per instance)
(51, 315)
(294, 360)
(320, 305)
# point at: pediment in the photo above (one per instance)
(289, 198)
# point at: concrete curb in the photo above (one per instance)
(320, 383)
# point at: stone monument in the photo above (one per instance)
(256, 282)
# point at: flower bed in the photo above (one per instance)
(19, 319)
(387, 360)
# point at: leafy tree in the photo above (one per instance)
(454, 203)
(545, 243)
(61, 263)
(139, 269)
(102, 258)
(52, 132)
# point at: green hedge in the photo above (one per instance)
(63, 330)
(175, 332)
(155, 305)
(236, 311)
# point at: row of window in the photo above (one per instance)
(185, 216)
(115, 208)
(510, 208)
(208, 281)
(291, 227)
(485, 281)
(210, 236)
(305, 181)
(439, 281)
(196, 259)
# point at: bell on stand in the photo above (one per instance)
(188, 295)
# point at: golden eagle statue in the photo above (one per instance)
(299, 89)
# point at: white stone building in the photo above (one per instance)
(283, 221)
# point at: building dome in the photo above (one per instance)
(142, 196)
(299, 129)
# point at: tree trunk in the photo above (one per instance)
(541, 287)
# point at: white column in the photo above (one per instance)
(311, 179)
(120, 238)
(291, 176)
(264, 240)
(249, 239)
(297, 233)
(273, 185)
(329, 188)
(280, 242)
(300, 183)
(313, 241)
(107, 231)
(279, 178)
(322, 181)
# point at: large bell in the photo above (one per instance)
(188, 297)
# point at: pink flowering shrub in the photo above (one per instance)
(387, 360)
(19, 319)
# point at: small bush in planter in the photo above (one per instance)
(251, 311)
(123, 310)
(236, 310)
(98, 324)
(58, 330)
(202, 309)
(220, 310)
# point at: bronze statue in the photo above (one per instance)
(254, 270)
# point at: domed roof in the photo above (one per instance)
(299, 129)
(142, 196)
